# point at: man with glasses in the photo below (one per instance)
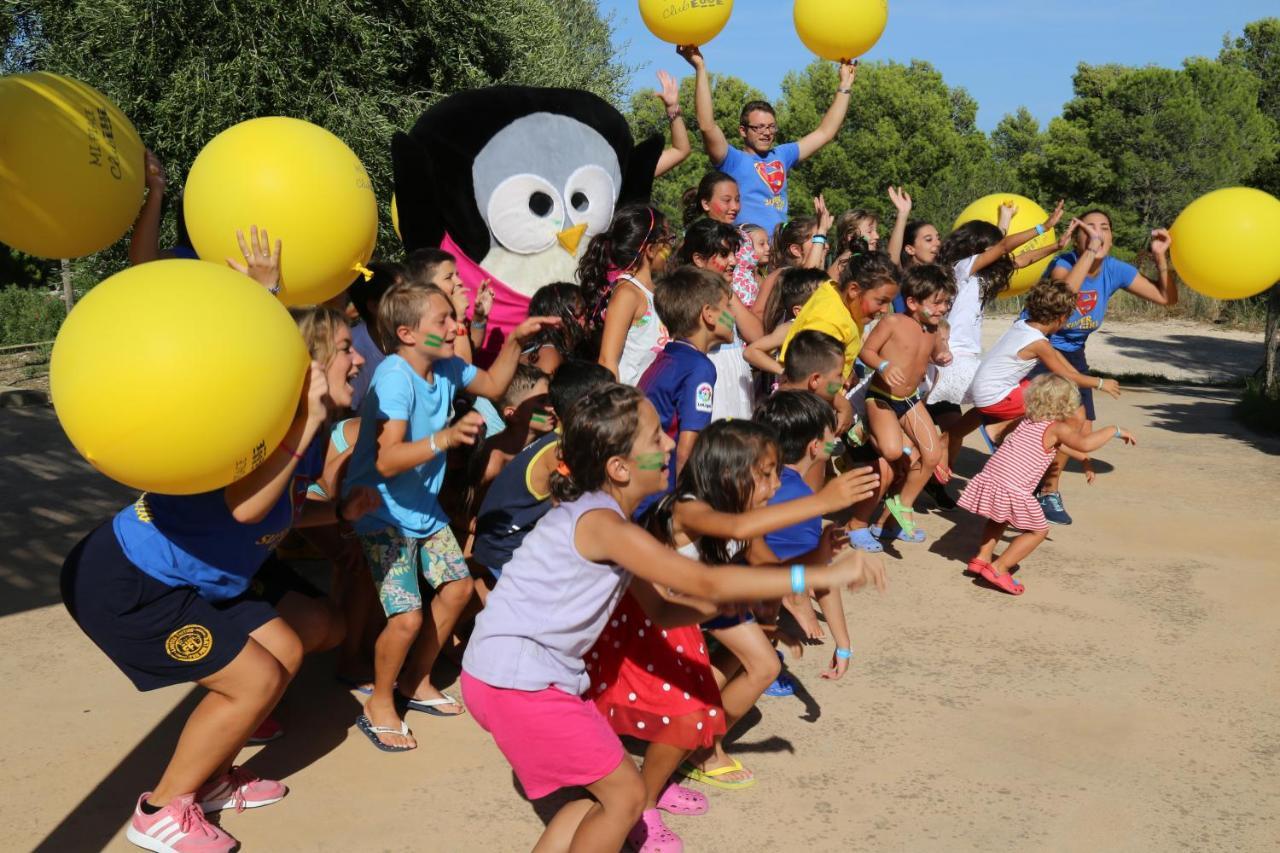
(761, 169)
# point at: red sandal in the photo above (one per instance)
(1000, 580)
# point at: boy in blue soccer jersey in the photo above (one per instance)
(693, 303)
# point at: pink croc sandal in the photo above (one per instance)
(677, 799)
(1003, 581)
(651, 835)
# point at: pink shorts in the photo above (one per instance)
(551, 740)
(1011, 407)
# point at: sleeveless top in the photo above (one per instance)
(339, 439)
(511, 507)
(645, 339)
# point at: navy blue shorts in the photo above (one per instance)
(158, 635)
(1080, 362)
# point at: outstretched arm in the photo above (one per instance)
(680, 147)
(902, 203)
(1166, 292)
(144, 243)
(813, 142)
(712, 136)
(1014, 241)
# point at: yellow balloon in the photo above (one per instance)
(1029, 215)
(177, 376)
(840, 29)
(70, 167)
(395, 216)
(299, 182)
(686, 21)
(1227, 244)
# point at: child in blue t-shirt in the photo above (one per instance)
(404, 435)
(805, 424)
(693, 303)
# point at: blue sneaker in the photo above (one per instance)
(1054, 511)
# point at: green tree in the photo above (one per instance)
(185, 70)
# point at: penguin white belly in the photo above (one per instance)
(526, 273)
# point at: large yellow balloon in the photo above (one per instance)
(395, 216)
(1227, 244)
(1029, 215)
(177, 376)
(840, 29)
(302, 184)
(686, 21)
(70, 167)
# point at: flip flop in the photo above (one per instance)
(1002, 581)
(712, 777)
(428, 706)
(677, 799)
(357, 684)
(864, 541)
(364, 724)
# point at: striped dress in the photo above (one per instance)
(1005, 489)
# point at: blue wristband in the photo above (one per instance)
(1039, 230)
(844, 654)
(882, 366)
(798, 585)
(819, 239)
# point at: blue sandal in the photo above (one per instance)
(864, 540)
(895, 531)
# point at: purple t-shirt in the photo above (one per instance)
(762, 183)
(548, 609)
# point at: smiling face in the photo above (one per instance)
(760, 246)
(725, 202)
(866, 305)
(1100, 223)
(436, 329)
(342, 368)
(764, 477)
(650, 457)
(934, 308)
(760, 131)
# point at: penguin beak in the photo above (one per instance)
(571, 237)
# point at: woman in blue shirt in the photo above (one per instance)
(1095, 277)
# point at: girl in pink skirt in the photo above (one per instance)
(1004, 491)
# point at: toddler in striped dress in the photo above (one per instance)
(1004, 491)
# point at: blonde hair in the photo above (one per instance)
(1051, 398)
(848, 223)
(403, 305)
(318, 325)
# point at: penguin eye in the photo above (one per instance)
(525, 213)
(591, 192)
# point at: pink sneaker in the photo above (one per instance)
(241, 789)
(179, 827)
(651, 835)
(267, 732)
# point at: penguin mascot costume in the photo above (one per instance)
(514, 181)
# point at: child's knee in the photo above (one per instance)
(457, 593)
(406, 624)
(630, 798)
(763, 669)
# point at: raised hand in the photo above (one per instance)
(825, 219)
(154, 171)
(848, 73)
(1056, 216)
(1008, 210)
(670, 93)
(1161, 241)
(531, 327)
(261, 261)
(1065, 239)
(693, 55)
(901, 201)
(484, 303)
(315, 392)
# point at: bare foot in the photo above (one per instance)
(384, 716)
(719, 759)
(805, 617)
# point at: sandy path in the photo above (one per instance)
(1128, 701)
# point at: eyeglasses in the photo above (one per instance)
(762, 128)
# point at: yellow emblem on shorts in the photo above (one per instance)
(189, 643)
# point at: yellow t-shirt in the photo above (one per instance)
(826, 312)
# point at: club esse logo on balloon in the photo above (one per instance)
(686, 21)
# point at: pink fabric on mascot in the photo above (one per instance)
(510, 307)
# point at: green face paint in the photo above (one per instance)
(539, 418)
(829, 447)
(651, 461)
(727, 320)
(833, 388)
(432, 340)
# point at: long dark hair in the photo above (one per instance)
(867, 269)
(691, 201)
(634, 228)
(596, 428)
(974, 238)
(719, 473)
(794, 232)
(909, 238)
(708, 238)
(564, 300)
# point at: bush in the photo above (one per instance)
(29, 316)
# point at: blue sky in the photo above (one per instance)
(1006, 53)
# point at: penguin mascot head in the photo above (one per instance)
(514, 181)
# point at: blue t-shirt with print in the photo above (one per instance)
(1091, 303)
(410, 500)
(762, 183)
(681, 385)
(791, 542)
(195, 541)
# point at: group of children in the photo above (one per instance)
(714, 424)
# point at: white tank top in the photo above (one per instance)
(1001, 370)
(645, 339)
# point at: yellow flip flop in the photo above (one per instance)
(712, 777)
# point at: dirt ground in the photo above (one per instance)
(1126, 702)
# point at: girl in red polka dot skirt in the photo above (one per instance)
(656, 683)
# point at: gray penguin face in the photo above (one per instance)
(542, 175)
